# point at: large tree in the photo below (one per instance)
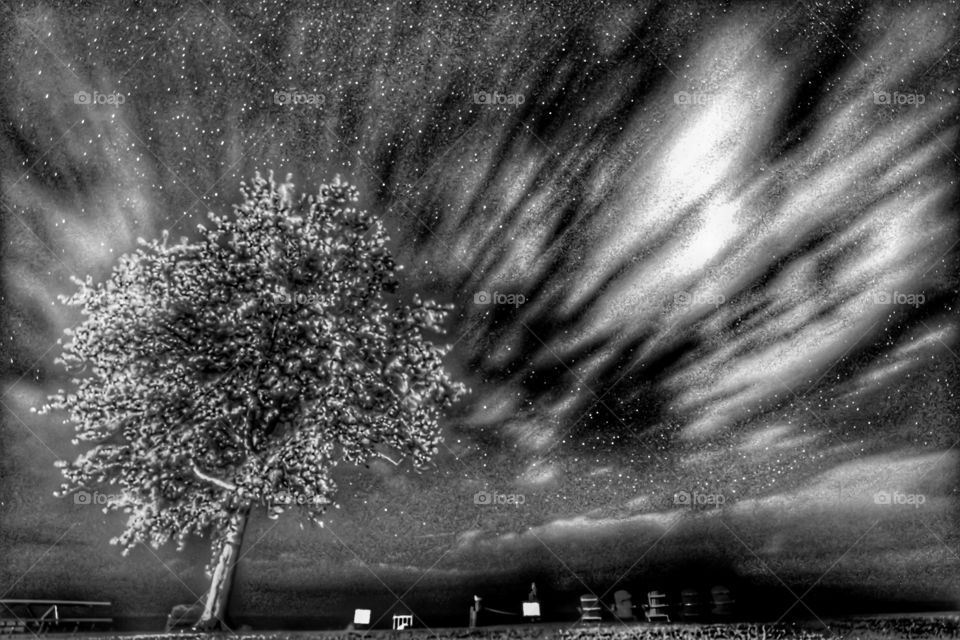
(238, 370)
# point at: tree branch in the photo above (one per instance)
(223, 484)
(388, 459)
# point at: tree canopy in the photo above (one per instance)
(239, 369)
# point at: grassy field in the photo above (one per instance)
(853, 629)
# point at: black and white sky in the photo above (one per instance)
(703, 258)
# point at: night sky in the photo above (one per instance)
(703, 258)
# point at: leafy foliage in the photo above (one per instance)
(242, 368)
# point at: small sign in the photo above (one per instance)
(531, 609)
(361, 616)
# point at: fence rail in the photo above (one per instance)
(19, 615)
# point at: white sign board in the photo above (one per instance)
(531, 609)
(361, 616)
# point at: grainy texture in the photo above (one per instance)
(703, 258)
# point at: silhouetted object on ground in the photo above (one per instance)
(402, 621)
(531, 608)
(589, 608)
(183, 617)
(475, 611)
(622, 607)
(531, 611)
(528, 610)
(53, 616)
(721, 602)
(690, 605)
(361, 619)
(401, 617)
(656, 608)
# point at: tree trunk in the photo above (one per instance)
(217, 597)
